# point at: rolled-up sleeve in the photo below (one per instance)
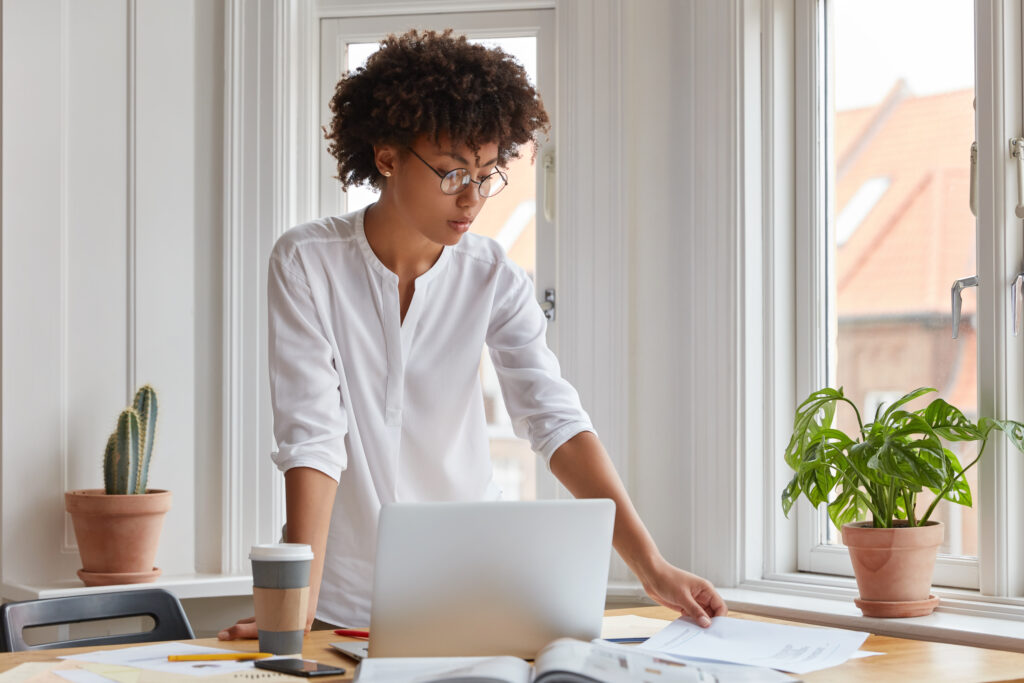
(309, 419)
(543, 406)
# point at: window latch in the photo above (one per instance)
(1017, 302)
(1017, 152)
(959, 286)
(974, 179)
(549, 304)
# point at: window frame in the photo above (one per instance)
(818, 328)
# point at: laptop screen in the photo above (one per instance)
(490, 578)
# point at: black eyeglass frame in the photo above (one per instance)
(469, 177)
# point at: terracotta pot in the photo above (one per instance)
(894, 567)
(117, 534)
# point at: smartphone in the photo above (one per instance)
(299, 667)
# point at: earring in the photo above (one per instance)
(387, 174)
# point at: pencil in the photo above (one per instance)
(353, 632)
(235, 656)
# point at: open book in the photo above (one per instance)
(563, 661)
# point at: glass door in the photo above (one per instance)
(511, 218)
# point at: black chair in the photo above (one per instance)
(162, 606)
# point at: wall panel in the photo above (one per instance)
(686, 280)
(164, 257)
(64, 270)
(98, 248)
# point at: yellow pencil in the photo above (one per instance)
(236, 656)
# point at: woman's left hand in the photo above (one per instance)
(684, 592)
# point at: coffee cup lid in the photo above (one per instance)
(281, 552)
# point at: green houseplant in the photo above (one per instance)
(118, 527)
(879, 472)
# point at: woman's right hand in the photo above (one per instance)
(244, 628)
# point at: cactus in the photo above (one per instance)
(130, 446)
(109, 469)
(146, 407)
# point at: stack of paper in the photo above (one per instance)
(141, 664)
(796, 649)
(631, 627)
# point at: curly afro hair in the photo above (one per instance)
(433, 84)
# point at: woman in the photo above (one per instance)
(377, 320)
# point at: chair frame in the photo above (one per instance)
(160, 604)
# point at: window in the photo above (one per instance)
(899, 118)
(894, 109)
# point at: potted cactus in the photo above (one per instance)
(118, 527)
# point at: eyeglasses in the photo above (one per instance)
(454, 182)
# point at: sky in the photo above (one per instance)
(930, 43)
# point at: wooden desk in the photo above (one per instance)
(904, 660)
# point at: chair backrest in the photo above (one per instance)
(162, 606)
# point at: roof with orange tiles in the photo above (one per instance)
(919, 236)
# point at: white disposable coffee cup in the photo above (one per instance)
(280, 592)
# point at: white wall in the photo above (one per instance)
(208, 294)
(111, 258)
(682, 134)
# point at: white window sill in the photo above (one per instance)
(963, 617)
(183, 586)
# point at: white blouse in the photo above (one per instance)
(391, 409)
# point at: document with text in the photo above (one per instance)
(796, 649)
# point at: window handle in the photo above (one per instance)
(1017, 152)
(549, 186)
(959, 286)
(1017, 302)
(974, 179)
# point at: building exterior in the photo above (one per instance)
(903, 233)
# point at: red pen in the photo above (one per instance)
(353, 632)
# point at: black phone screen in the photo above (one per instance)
(299, 667)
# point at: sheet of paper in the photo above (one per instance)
(36, 672)
(617, 663)
(417, 669)
(127, 674)
(82, 676)
(797, 649)
(116, 672)
(609, 663)
(631, 626)
(154, 658)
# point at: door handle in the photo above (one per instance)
(959, 286)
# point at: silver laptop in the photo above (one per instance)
(496, 578)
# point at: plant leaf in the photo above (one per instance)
(903, 400)
(950, 423)
(790, 494)
(1013, 430)
(849, 506)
